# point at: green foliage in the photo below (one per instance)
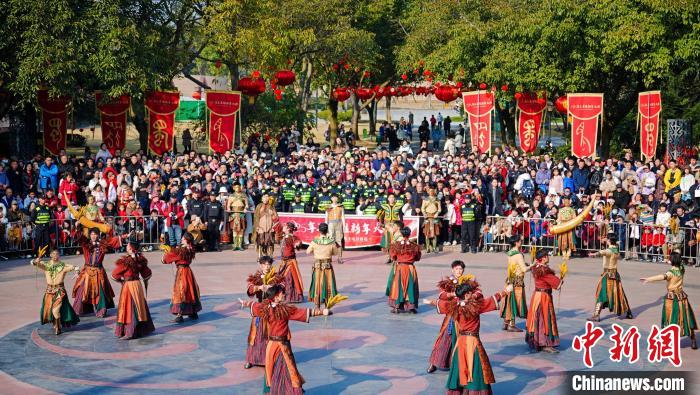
(343, 116)
(269, 114)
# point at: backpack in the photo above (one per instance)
(528, 190)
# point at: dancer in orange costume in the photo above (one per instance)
(185, 300)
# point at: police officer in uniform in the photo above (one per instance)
(307, 194)
(348, 199)
(214, 218)
(323, 199)
(289, 191)
(297, 206)
(370, 207)
(41, 216)
(195, 206)
(469, 225)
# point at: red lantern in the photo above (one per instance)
(256, 74)
(541, 101)
(347, 66)
(404, 77)
(426, 73)
(341, 94)
(364, 93)
(335, 67)
(482, 85)
(251, 87)
(285, 77)
(197, 95)
(518, 95)
(460, 84)
(446, 93)
(367, 74)
(379, 92)
(562, 104)
(504, 88)
(218, 64)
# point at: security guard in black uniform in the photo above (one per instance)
(214, 218)
(334, 188)
(381, 197)
(297, 206)
(195, 206)
(307, 195)
(41, 216)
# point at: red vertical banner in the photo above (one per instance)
(479, 106)
(223, 109)
(54, 119)
(648, 121)
(586, 111)
(113, 120)
(529, 115)
(161, 107)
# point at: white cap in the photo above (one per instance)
(188, 191)
(223, 190)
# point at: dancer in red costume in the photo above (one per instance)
(185, 300)
(258, 283)
(289, 269)
(133, 317)
(442, 348)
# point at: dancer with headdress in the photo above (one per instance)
(402, 284)
(389, 213)
(676, 309)
(289, 269)
(236, 206)
(442, 348)
(185, 299)
(609, 292)
(431, 228)
(324, 248)
(258, 283)
(55, 307)
(542, 333)
(335, 218)
(133, 316)
(92, 291)
(281, 374)
(470, 368)
(515, 303)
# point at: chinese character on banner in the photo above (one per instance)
(626, 344)
(365, 228)
(665, 344)
(587, 341)
(355, 228)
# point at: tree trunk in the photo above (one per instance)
(333, 120)
(388, 108)
(502, 121)
(305, 91)
(355, 120)
(140, 124)
(372, 111)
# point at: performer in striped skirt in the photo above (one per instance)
(609, 292)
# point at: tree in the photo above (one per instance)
(618, 47)
(76, 47)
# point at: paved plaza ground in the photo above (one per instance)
(362, 349)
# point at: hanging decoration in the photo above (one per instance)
(479, 106)
(223, 109)
(160, 108)
(648, 121)
(54, 120)
(113, 120)
(586, 111)
(528, 119)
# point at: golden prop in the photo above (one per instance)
(464, 278)
(574, 222)
(511, 272)
(267, 279)
(333, 301)
(563, 269)
(83, 220)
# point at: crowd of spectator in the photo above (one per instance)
(511, 193)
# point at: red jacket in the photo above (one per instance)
(647, 239)
(70, 189)
(658, 240)
(179, 214)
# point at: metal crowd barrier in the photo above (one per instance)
(17, 238)
(588, 236)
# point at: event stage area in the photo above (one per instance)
(361, 349)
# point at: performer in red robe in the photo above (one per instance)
(293, 285)
(402, 285)
(470, 369)
(185, 299)
(257, 335)
(281, 374)
(542, 333)
(133, 317)
(92, 291)
(442, 348)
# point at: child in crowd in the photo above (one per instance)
(657, 244)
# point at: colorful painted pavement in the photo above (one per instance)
(362, 349)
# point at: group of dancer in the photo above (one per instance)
(274, 292)
(93, 293)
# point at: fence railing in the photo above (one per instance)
(636, 240)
